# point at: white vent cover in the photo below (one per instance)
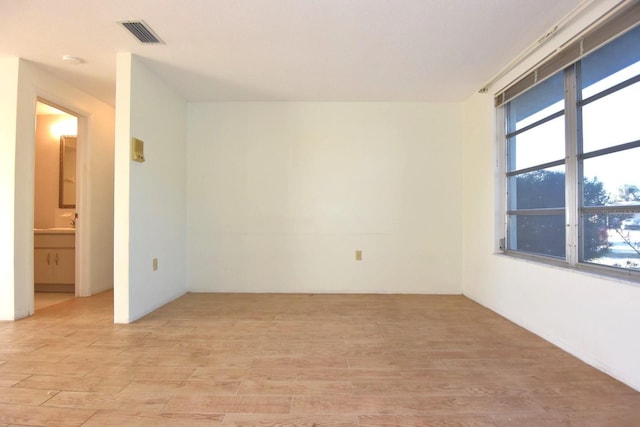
(141, 31)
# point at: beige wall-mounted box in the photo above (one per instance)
(137, 150)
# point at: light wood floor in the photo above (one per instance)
(47, 299)
(296, 360)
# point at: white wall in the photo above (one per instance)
(8, 120)
(150, 197)
(594, 318)
(281, 195)
(28, 82)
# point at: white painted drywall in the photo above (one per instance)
(8, 120)
(281, 195)
(150, 197)
(29, 82)
(594, 318)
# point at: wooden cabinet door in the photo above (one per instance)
(64, 265)
(42, 266)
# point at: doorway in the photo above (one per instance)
(55, 213)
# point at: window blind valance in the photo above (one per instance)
(615, 26)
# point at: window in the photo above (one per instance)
(572, 159)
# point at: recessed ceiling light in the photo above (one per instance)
(69, 59)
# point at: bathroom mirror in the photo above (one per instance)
(67, 189)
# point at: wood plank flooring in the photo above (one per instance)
(296, 360)
(47, 299)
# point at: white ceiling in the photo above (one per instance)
(284, 50)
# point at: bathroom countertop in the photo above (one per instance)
(54, 230)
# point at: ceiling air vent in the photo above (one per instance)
(141, 31)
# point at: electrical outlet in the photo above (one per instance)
(358, 255)
(155, 264)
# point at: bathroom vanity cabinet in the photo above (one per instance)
(54, 259)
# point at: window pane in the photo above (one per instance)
(612, 120)
(537, 103)
(538, 190)
(612, 179)
(541, 144)
(612, 64)
(612, 240)
(595, 234)
(538, 234)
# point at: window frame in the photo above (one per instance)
(513, 211)
(574, 209)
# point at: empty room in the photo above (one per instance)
(319, 213)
